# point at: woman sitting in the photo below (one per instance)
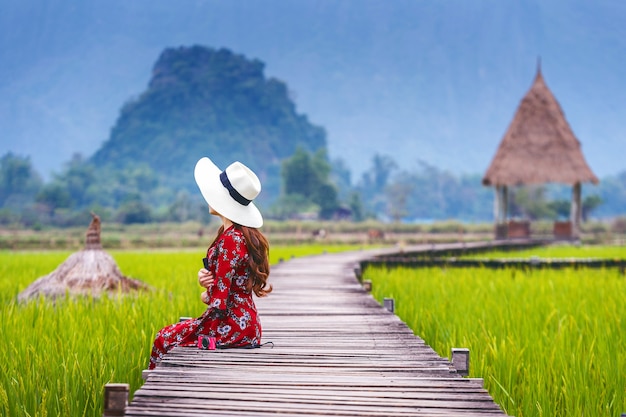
(237, 265)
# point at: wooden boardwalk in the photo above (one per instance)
(336, 352)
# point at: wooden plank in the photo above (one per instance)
(335, 351)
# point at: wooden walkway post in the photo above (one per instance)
(336, 351)
(460, 360)
(389, 304)
(115, 399)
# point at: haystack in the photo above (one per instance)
(91, 271)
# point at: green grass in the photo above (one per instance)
(547, 343)
(57, 357)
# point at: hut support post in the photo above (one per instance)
(502, 202)
(500, 210)
(576, 209)
(505, 203)
(496, 205)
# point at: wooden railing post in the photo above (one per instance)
(358, 273)
(461, 360)
(115, 399)
(389, 304)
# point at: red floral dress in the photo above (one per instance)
(231, 316)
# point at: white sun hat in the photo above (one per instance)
(230, 192)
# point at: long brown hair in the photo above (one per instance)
(258, 258)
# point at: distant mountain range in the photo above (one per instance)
(436, 81)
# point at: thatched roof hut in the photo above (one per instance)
(538, 147)
(90, 271)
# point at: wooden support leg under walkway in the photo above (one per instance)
(336, 352)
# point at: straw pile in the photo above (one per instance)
(91, 271)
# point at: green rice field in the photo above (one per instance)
(546, 342)
(57, 357)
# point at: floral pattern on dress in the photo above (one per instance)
(231, 316)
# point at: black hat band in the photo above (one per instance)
(231, 190)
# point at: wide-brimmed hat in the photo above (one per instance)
(230, 192)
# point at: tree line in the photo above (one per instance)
(312, 187)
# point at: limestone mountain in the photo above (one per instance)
(209, 102)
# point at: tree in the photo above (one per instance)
(326, 198)
(54, 196)
(560, 207)
(290, 206)
(19, 183)
(79, 176)
(307, 176)
(530, 202)
(397, 195)
(134, 211)
(373, 182)
(356, 206)
(376, 178)
(612, 192)
(299, 176)
(181, 209)
(72, 187)
(341, 177)
(589, 204)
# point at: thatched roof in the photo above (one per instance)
(90, 271)
(539, 145)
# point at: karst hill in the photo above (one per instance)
(202, 101)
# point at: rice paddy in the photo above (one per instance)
(57, 357)
(546, 342)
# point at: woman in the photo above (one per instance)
(237, 264)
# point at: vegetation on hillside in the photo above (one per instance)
(207, 102)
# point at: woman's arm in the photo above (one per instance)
(231, 257)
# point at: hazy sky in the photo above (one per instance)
(437, 81)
